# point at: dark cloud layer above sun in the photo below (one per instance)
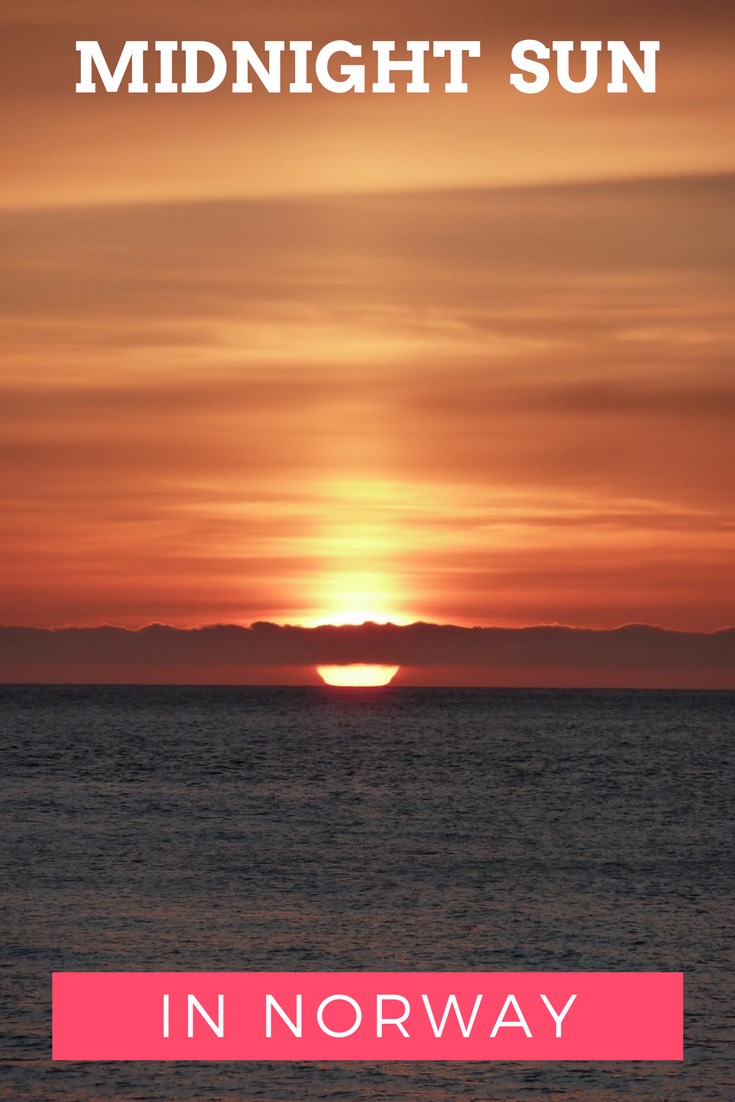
(546, 656)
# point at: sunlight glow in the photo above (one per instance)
(357, 675)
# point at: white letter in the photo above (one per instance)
(558, 1018)
(192, 51)
(166, 52)
(415, 66)
(452, 1004)
(345, 1032)
(519, 59)
(247, 58)
(165, 1015)
(271, 1005)
(300, 52)
(219, 1027)
(563, 50)
(621, 56)
(511, 1001)
(354, 75)
(392, 1021)
(455, 50)
(132, 52)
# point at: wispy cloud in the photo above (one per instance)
(501, 405)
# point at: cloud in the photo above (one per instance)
(65, 148)
(504, 404)
(635, 655)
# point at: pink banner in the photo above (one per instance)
(368, 1016)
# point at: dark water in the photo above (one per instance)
(287, 829)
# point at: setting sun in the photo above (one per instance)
(357, 675)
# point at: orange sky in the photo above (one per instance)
(456, 358)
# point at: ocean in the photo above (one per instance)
(237, 829)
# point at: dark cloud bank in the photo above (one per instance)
(632, 656)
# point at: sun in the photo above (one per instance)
(357, 675)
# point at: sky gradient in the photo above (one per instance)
(463, 359)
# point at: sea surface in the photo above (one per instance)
(397, 829)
